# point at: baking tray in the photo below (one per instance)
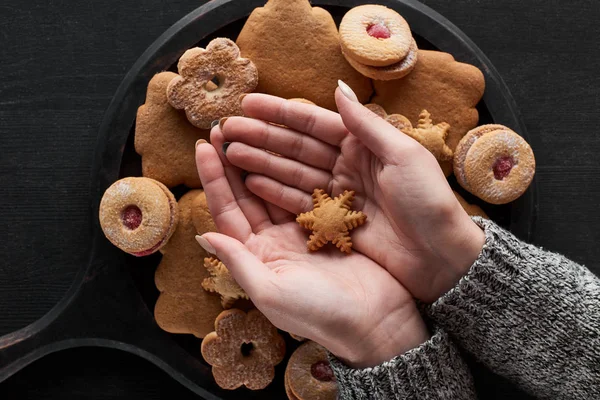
(111, 301)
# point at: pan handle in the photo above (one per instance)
(104, 308)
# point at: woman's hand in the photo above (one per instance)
(348, 304)
(416, 228)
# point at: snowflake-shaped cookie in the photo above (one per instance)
(432, 137)
(331, 220)
(221, 282)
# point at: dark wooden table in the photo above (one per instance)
(62, 60)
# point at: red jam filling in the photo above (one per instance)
(502, 167)
(322, 371)
(132, 217)
(378, 31)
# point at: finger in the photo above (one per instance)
(289, 172)
(318, 122)
(271, 191)
(225, 211)
(385, 141)
(281, 140)
(252, 206)
(279, 215)
(248, 271)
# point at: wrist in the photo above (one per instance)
(462, 244)
(398, 333)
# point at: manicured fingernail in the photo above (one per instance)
(214, 123)
(244, 175)
(201, 141)
(242, 97)
(205, 245)
(225, 146)
(222, 122)
(347, 91)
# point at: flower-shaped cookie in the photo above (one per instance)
(331, 220)
(243, 350)
(221, 282)
(192, 91)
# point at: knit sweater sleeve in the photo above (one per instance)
(434, 370)
(529, 315)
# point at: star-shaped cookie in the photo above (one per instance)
(331, 220)
(432, 137)
(221, 282)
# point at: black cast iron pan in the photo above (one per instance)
(111, 301)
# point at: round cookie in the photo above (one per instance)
(308, 375)
(499, 166)
(138, 215)
(394, 71)
(465, 144)
(243, 350)
(375, 35)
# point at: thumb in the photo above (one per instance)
(247, 270)
(373, 131)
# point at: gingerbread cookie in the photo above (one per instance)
(221, 282)
(184, 306)
(472, 209)
(243, 350)
(296, 49)
(432, 137)
(497, 165)
(331, 220)
(448, 89)
(165, 139)
(308, 375)
(197, 67)
(375, 35)
(138, 215)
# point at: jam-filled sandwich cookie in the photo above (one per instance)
(377, 42)
(138, 215)
(308, 375)
(494, 163)
(243, 350)
(192, 89)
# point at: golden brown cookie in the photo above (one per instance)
(221, 282)
(331, 220)
(498, 166)
(165, 138)
(197, 67)
(296, 49)
(390, 72)
(308, 374)
(138, 215)
(448, 89)
(184, 306)
(243, 350)
(375, 35)
(432, 137)
(472, 209)
(465, 144)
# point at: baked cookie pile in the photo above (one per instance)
(293, 50)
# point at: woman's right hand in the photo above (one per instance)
(416, 228)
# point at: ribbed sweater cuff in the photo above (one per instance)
(434, 370)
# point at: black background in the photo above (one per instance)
(62, 60)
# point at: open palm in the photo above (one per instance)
(417, 230)
(349, 304)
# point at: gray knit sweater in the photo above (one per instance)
(529, 315)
